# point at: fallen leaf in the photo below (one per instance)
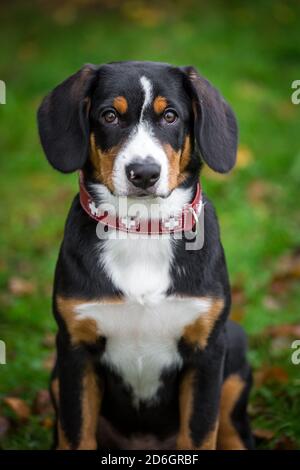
(148, 16)
(285, 443)
(270, 374)
(287, 271)
(264, 434)
(48, 363)
(4, 426)
(283, 330)
(280, 343)
(244, 157)
(18, 286)
(28, 51)
(18, 406)
(49, 340)
(289, 265)
(238, 302)
(271, 303)
(42, 403)
(285, 110)
(65, 15)
(258, 191)
(47, 422)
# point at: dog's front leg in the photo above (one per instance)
(199, 398)
(79, 398)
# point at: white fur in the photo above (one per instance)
(147, 87)
(141, 144)
(140, 268)
(142, 338)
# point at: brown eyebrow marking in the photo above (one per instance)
(121, 105)
(159, 104)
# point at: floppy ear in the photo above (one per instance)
(216, 129)
(63, 121)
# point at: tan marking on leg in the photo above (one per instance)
(81, 330)
(228, 437)
(63, 443)
(159, 104)
(199, 331)
(210, 441)
(91, 403)
(186, 401)
(120, 104)
(91, 398)
(103, 163)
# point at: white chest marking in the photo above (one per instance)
(142, 339)
(139, 268)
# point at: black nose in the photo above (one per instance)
(143, 174)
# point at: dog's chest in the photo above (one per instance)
(142, 332)
(139, 267)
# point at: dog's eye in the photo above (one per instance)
(109, 116)
(170, 116)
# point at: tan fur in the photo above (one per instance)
(178, 161)
(84, 330)
(228, 437)
(160, 104)
(186, 400)
(199, 331)
(63, 443)
(103, 163)
(210, 441)
(186, 403)
(91, 403)
(91, 397)
(81, 330)
(120, 104)
(186, 154)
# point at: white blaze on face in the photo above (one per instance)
(140, 145)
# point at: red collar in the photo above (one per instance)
(182, 222)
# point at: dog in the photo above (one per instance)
(146, 355)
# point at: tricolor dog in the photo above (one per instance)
(146, 355)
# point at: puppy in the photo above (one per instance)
(146, 355)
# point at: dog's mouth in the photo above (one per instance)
(138, 193)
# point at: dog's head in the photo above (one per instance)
(133, 126)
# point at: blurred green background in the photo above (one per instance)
(251, 52)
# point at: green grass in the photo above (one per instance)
(251, 53)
